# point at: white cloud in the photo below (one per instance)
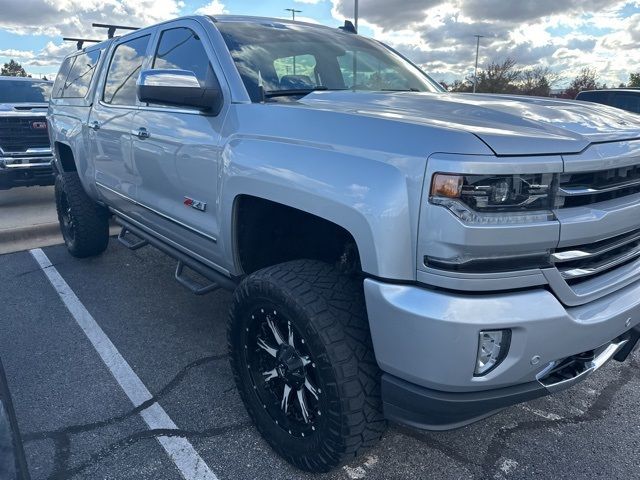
(17, 54)
(565, 35)
(215, 7)
(74, 17)
(308, 1)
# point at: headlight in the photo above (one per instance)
(519, 198)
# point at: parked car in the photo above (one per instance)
(396, 252)
(25, 152)
(624, 98)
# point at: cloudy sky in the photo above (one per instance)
(565, 35)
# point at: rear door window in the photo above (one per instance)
(126, 63)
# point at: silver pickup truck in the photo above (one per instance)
(396, 252)
(25, 153)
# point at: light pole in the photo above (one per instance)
(293, 13)
(293, 17)
(355, 14)
(475, 71)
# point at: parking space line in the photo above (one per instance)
(180, 450)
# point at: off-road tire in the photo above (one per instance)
(89, 235)
(328, 308)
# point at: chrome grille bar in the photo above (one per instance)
(594, 269)
(579, 191)
(591, 251)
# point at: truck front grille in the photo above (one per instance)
(585, 188)
(17, 134)
(578, 263)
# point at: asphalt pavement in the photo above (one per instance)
(28, 219)
(78, 422)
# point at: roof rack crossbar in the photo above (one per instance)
(111, 29)
(80, 41)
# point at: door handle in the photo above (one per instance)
(95, 125)
(141, 133)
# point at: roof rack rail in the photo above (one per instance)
(348, 27)
(80, 41)
(111, 29)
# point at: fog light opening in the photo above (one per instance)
(493, 346)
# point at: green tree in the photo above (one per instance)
(634, 80)
(13, 69)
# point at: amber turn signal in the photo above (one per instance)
(445, 185)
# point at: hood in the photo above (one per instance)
(508, 124)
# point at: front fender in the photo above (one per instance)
(375, 198)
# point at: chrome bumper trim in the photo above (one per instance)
(590, 367)
(27, 166)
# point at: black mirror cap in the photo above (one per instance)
(179, 88)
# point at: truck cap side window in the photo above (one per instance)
(76, 83)
(126, 62)
(61, 78)
(182, 49)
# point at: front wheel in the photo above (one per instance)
(303, 361)
(83, 223)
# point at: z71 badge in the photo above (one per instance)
(197, 204)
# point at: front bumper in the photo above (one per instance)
(426, 343)
(26, 171)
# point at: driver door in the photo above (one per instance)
(177, 151)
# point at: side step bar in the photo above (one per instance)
(126, 241)
(217, 279)
(191, 284)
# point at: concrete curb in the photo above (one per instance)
(35, 236)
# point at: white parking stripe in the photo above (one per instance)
(190, 464)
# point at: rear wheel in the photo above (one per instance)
(304, 364)
(83, 223)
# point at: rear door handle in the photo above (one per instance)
(140, 133)
(95, 125)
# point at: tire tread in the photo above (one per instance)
(335, 303)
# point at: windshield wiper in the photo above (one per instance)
(293, 92)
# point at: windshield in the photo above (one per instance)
(20, 91)
(286, 57)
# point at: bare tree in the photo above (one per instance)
(499, 77)
(461, 86)
(538, 81)
(587, 79)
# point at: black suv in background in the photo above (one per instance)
(25, 151)
(625, 98)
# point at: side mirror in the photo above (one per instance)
(179, 88)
